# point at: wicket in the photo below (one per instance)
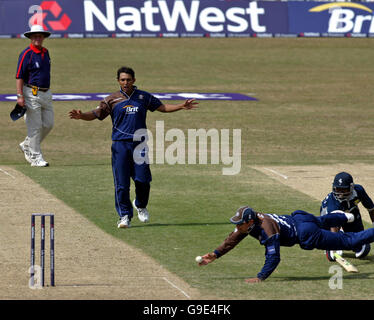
(42, 247)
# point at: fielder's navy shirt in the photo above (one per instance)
(34, 67)
(128, 113)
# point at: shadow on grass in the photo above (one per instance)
(352, 256)
(304, 278)
(152, 225)
(326, 277)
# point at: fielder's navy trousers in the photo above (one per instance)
(313, 233)
(124, 167)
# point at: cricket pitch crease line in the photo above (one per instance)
(277, 173)
(7, 173)
(176, 287)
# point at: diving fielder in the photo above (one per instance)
(302, 228)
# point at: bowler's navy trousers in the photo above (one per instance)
(124, 167)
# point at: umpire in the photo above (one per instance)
(33, 81)
(128, 109)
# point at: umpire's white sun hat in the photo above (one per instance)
(36, 28)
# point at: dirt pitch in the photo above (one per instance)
(90, 264)
(316, 181)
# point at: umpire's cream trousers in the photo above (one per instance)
(39, 118)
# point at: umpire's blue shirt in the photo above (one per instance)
(128, 113)
(34, 67)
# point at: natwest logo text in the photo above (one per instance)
(166, 16)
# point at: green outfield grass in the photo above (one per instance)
(315, 107)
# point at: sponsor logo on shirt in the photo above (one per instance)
(271, 250)
(130, 109)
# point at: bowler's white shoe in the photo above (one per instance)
(124, 222)
(143, 213)
(39, 162)
(25, 149)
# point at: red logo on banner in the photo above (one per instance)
(55, 10)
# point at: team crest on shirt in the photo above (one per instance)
(130, 109)
(141, 97)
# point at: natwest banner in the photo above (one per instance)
(196, 16)
(147, 18)
(331, 17)
(193, 18)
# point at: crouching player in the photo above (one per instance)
(345, 196)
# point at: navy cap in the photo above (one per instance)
(244, 214)
(17, 112)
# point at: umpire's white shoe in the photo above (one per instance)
(143, 213)
(39, 162)
(124, 222)
(25, 149)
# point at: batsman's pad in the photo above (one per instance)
(17, 112)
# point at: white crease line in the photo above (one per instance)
(277, 173)
(7, 173)
(173, 285)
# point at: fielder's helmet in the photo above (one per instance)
(243, 214)
(342, 187)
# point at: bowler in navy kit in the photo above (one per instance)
(302, 228)
(345, 196)
(128, 109)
